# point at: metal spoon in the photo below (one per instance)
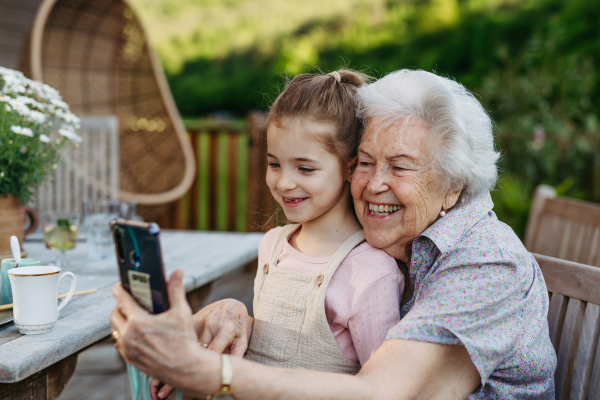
(16, 250)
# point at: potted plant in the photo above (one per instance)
(36, 129)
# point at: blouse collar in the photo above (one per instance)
(447, 231)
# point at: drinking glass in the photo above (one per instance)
(60, 232)
(128, 211)
(97, 215)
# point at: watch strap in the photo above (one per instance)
(226, 375)
(226, 370)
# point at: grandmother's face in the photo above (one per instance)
(396, 193)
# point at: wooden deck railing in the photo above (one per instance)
(229, 192)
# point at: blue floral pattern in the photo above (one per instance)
(475, 284)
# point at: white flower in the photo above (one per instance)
(59, 103)
(72, 136)
(25, 100)
(13, 83)
(20, 107)
(37, 104)
(68, 117)
(12, 72)
(21, 130)
(37, 116)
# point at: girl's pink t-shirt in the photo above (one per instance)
(362, 301)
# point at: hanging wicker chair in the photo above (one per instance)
(95, 52)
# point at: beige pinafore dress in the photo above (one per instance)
(290, 327)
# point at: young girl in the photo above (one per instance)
(324, 299)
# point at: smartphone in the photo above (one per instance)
(140, 263)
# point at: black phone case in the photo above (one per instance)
(139, 256)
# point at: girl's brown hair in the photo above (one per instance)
(328, 98)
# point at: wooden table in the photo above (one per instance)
(39, 366)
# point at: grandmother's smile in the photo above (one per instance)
(381, 210)
(396, 192)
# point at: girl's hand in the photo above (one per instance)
(157, 394)
(224, 325)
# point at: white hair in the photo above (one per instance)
(464, 153)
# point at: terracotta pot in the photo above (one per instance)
(12, 222)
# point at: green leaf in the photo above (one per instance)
(63, 223)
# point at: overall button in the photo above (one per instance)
(320, 279)
(266, 268)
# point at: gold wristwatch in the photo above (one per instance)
(226, 374)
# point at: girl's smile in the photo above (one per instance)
(293, 201)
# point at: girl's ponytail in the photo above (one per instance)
(329, 98)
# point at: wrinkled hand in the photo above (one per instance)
(225, 326)
(164, 346)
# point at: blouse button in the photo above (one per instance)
(266, 268)
(320, 279)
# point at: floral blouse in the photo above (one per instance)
(475, 284)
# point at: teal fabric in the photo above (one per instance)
(140, 384)
(5, 265)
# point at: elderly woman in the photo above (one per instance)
(475, 326)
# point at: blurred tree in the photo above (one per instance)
(532, 62)
(184, 30)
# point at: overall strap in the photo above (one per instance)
(341, 253)
(279, 242)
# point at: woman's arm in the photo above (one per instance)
(165, 346)
(400, 369)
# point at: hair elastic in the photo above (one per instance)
(336, 75)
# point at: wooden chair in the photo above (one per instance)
(574, 322)
(90, 172)
(564, 228)
(97, 55)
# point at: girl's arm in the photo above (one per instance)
(374, 303)
(376, 310)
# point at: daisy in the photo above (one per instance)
(22, 131)
(72, 136)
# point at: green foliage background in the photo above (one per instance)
(532, 62)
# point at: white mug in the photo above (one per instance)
(35, 292)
